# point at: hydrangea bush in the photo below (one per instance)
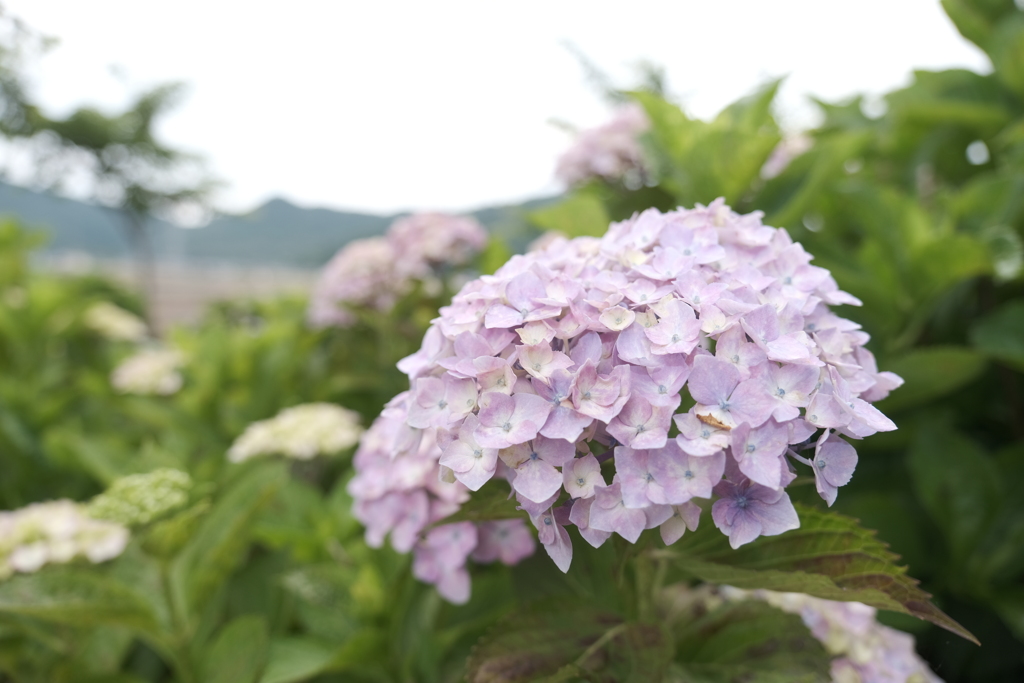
(374, 272)
(564, 375)
(610, 151)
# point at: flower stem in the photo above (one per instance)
(600, 642)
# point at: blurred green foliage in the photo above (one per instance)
(263, 574)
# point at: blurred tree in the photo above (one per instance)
(116, 157)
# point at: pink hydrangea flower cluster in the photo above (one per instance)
(567, 367)
(611, 151)
(398, 490)
(375, 271)
(428, 240)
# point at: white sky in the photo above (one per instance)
(383, 106)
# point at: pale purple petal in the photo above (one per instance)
(683, 476)
(699, 438)
(676, 332)
(554, 538)
(541, 361)
(536, 479)
(454, 586)
(684, 517)
(600, 396)
(580, 516)
(633, 346)
(581, 476)
(608, 513)
(638, 485)
(834, 462)
(759, 452)
(472, 464)
(656, 515)
(617, 318)
(506, 540)
(732, 347)
(641, 425)
(747, 510)
(712, 380)
(557, 452)
(509, 420)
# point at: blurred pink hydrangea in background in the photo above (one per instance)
(375, 271)
(611, 151)
(561, 376)
(360, 274)
(865, 650)
(425, 240)
(784, 153)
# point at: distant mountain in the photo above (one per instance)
(71, 225)
(279, 232)
(276, 233)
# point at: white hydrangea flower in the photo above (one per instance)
(55, 532)
(148, 372)
(115, 323)
(299, 432)
(141, 498)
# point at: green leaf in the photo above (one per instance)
(750, 641)
(930, 373)
(104, 459)
(788, 197)
(368, 647)
(76, 597)
(494, 256)
(830, 556)
(298, 519)
(578, 215)
(939, 264)
(640, 654)
(1006, 48)
(296, 659)
(165, 538)
(958, 485)
(101, 653)
(1009, 604)
(330, 598)
(555, 643)
(700, 161)
(969, 20)
(222, 537)
(239, 652)
(1007, 251)
(490, 502)
(1000, 335)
